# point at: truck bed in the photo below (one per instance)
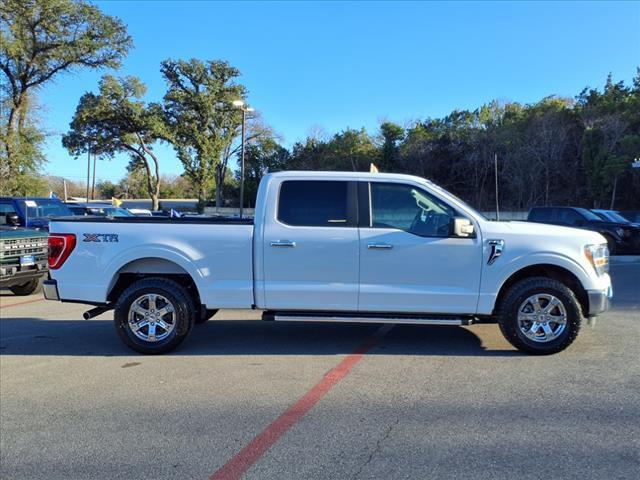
(217, 253)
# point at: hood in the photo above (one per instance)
(7, 232)
(543, 231)
(633, 226)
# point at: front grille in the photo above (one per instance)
(12, 249)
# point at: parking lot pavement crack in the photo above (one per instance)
(376, 450)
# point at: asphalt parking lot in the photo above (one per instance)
(307, 401)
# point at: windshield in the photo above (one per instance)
(107, 211)
(612, 216)
(589, 215)
(44, 208)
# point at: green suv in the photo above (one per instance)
(23, 259)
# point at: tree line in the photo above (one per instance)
(556, 151)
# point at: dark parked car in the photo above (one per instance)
(613, 216)
(31, 212)
(23, 258)
(631, 215)
(622, 237)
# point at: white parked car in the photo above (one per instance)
(140, 212)
(335, 247)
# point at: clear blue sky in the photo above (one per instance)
(351, 64)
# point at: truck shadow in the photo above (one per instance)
(29, 336)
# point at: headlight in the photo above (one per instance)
(598, 256)
(623, 232)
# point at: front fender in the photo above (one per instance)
(494, 276)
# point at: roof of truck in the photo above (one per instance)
(350, 175)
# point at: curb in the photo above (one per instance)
(618, 259)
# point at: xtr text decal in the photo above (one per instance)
(100, 237)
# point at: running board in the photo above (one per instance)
(445, 320)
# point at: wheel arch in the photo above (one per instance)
(150, 267)
(548, 270)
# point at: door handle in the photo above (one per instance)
(380, 246)
(283, 243)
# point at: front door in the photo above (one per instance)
(311, 255)
(409, 262)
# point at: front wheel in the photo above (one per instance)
(154, 315)
(26, 288)
(540, 316)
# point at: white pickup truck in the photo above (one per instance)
(334, 247)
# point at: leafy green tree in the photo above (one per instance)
(351, 150)
(611, 121)
(261, 157)
(117, 121)
(107, 189)
(40, 39)
(19, 171)
(176, 186)
(392, 134)
(202, 122)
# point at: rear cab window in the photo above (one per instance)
(312, 203)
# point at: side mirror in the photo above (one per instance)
(13, 219)
(462, 227)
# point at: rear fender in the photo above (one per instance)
(136, 256)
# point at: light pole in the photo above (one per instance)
(245, 108)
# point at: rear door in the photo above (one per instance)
(409, 262)
(311, 255)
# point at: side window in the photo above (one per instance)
(5, 209)
(541, 215)
(569, 217)
(313, 203)
(409, 208)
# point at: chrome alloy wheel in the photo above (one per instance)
(542, 317)
(152, 317)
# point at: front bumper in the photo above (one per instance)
(50, 290)
(20, 278)
(599, 301)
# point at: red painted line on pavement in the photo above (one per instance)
(21, 303)
(255, 449)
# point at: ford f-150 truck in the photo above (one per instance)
(334, 247)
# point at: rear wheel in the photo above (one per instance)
(154, 315)
(540, 316)
(26, 288)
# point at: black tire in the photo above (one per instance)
(518, 294)
(183, 314)
(26, 288)
(206, 315)
(611, 243)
